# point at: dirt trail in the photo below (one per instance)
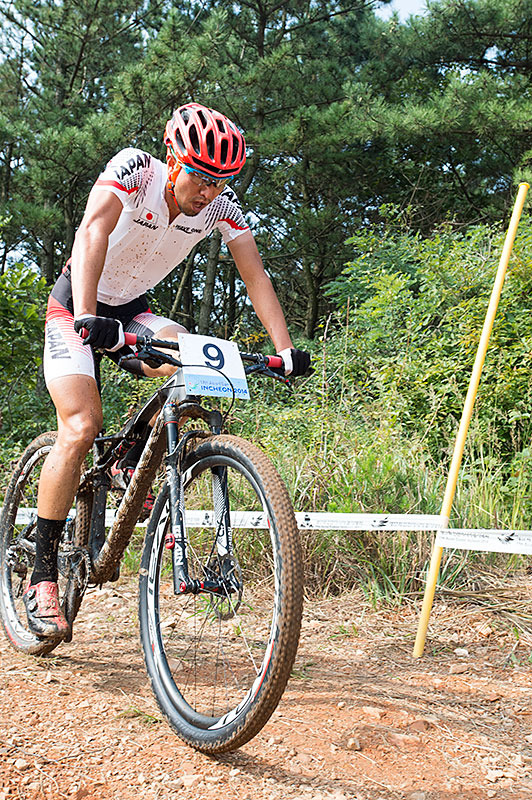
(360, 719)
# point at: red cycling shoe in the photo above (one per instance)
(45, 618)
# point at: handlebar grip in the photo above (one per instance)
(130, 338)
(275, 362)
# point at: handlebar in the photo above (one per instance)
(145, 345)
(130, 338)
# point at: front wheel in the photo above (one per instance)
(219, 662)
(17, 548)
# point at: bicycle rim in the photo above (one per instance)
(17, 540)
(219, 663)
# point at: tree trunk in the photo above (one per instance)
(48, 260)
(183, 284)
(70, 230)
(207, 300)
(188, 305)
(231, 300)
(311, 312)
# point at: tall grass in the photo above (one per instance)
(339, 453)
(373, 429)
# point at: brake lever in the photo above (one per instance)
(277, 377)
(152, 357)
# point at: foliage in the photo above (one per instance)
(393, 145)
(336, 454)
(372, 430)
(342, 111)
(416, 309)
(57, 70)
(25, 408)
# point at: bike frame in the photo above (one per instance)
(107, 551)
(170, 401)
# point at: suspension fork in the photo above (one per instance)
(222, 515)
(177, 540)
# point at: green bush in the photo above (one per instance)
(373, 429)
(25, 408)
(415, 309)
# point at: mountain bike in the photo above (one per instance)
(220, 583)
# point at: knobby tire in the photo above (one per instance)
(218, 665)
(16, 565)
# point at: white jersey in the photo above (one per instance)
(144, 246)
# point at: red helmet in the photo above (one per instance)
(206, 140)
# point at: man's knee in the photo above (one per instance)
(166, 370)
(77, 433)
(171, 331)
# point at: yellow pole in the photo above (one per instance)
(452, 479)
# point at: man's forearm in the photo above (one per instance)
(269, 311)
(260, 290)
(88, 257)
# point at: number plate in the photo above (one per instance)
(212, 366)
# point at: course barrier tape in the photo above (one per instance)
(319, 521)
(323, 521)
(487, 540)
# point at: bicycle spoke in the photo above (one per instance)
(216, 650)
(17, 548)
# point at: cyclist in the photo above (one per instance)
(142, 219)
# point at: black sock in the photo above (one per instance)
(47, 542)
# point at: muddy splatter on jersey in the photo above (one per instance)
(144, 247)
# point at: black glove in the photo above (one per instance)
(104, 332)
(296, 362)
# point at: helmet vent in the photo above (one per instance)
(203, 118)
(209, 138)
(180, 143)
(236, 148)
(194, 139)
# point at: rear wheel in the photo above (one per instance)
(219, 662)
(17, 549)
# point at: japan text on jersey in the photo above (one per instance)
(145, 246)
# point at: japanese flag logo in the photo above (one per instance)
(149, 216)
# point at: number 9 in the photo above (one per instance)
(214, 356)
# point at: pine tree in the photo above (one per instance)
(57, 133)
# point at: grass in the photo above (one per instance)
(342, 466)
(132, 712)
(339, 452)
(130, 564)
(344, 631)
(302, 672)
(333, 460)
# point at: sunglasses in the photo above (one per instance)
(200, 179)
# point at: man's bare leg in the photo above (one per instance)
(79, 416)
(79, 420)
(170, 333)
